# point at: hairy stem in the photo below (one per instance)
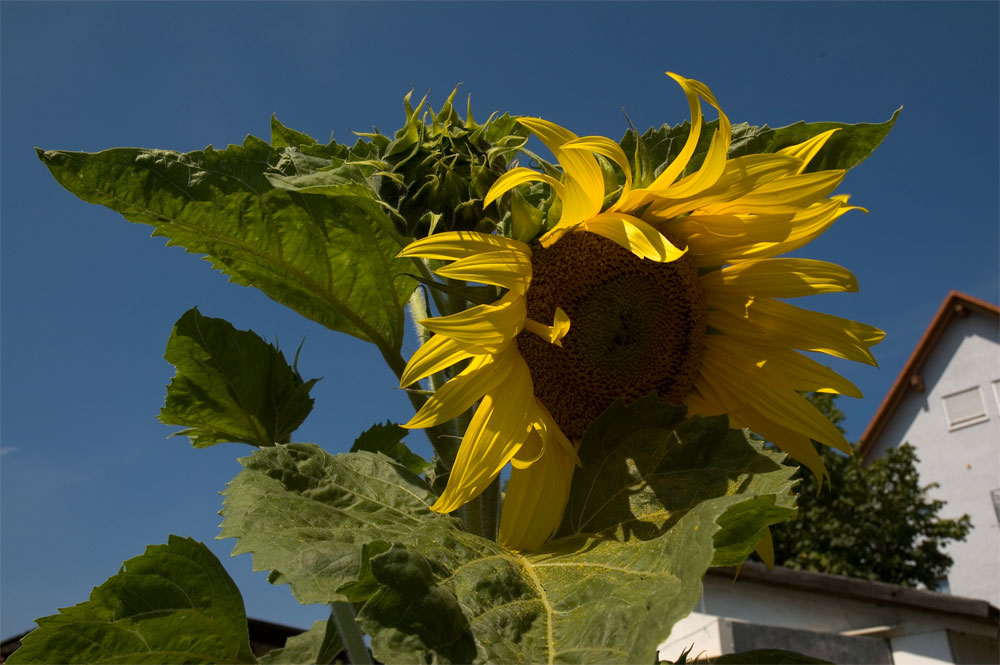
(350, 632)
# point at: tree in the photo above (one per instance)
(874, 522)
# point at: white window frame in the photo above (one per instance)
(996, 392)
(971, 420)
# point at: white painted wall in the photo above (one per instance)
(916, 636)
(964, 462)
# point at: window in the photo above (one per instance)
(996, 392)
(964, 408)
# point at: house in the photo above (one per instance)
(833, 618)
(946, 404)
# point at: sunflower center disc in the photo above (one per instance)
(635, 326)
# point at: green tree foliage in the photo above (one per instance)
(876, 522)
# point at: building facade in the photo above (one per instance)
(946, 404)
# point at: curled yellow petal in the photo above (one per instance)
(552, 334)
(516, 177)
(635, 235)
(676, 167)
(606, 148)
(535, 499)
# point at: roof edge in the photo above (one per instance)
(859, 589)
(953, 305)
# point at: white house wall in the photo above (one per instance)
(965, 462)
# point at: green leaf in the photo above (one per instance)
(173, 604)
(330, 258)
(656, 148)
(320, 645)
(847, 148)
(632, 550)
(282, 137)
(387, 438)
(231, 385)
(767, 657)
(644, 467)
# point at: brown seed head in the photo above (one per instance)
(635, 325)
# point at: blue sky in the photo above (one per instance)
(88, 300)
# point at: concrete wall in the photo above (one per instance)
(965, 462)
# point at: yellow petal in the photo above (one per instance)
(808, 148)
(516, 177)
(782, 195)
(634, 235)
(772, 322)
(739, 177)
(607, 148)
(718, 239)
(676, 167)
(551, 434)
(714, 164)
(510, 269)
(529, 453)
(535, 500)
(452, 399)
(741, 414)
(783, 366)
(552, 334)
(453, 245)
(784, 407)
(780, 278)
(483, 325)
(583, 191)
(496, 432)
(436, 353)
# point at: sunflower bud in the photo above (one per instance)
(438, 167)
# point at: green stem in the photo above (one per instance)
(350, 632)
(489, 509)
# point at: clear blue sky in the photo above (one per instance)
(88, 477)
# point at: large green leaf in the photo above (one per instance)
(848, 147)
(627, 563)
(231, 385)
(645, 466)
(330, 258)
(658, 147)
(173, 604)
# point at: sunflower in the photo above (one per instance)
(672, 287)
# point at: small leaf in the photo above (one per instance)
(173, 604)
(387, 438)
(320, 645)
(231, 385)
(282, 136)
(330, 258)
